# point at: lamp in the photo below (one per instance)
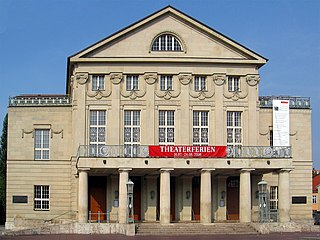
(130, 186)
(223, 194)
(152, 194)
(188, 193)
(262, 186)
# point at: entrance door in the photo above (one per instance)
(233, 198)
(196, 198)
(97, 197)
(136, 197)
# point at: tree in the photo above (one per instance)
(3, 168)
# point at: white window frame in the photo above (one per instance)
(97, 131)
(41, 197)
(314, 199)
(166, 82)
(274, 198)
(166, 127)
(132, 82)
(234, 128)
(167, 42)
(132, 132)
(41, 145)
(97, 82)
(200, 131)
(200, 83)
(233, 83)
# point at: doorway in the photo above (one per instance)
(97, 198)
(196, 198)
(136, 198)
(233, 198)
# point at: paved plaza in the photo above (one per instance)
(273, 236)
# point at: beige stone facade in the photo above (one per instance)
(120, 101)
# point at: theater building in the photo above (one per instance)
(172, 105)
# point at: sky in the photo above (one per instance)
(37, 36)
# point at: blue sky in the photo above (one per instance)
(37, 36)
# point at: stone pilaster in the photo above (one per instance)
(245, 196)
(165, 196)
(205, 196)
(83, 196)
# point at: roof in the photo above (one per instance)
(315, 183)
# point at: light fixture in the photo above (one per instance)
(152, 194)
(223, 194)
(130, 186)
(188, 193)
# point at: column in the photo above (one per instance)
(284, 195)
(83, 196)
(245, 196)
(123, 179)
(165, 196)
(205, 196)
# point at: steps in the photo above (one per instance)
(193, 229)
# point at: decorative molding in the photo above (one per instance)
(235, 96)
(23, 132)
(294, 134)
(116, 78)
(219, 78)
(185, 78)
(203, 94)
(57, 132)
(133, 94)
(80, 77)
(168, 94)
(98, 94)
(151, 77)
(253, 80)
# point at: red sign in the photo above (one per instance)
(188, 151)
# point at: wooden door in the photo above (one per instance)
(97, 197)
(172, 199)
(196, 198)
(136, 198)
(233, 198)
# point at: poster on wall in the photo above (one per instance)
(281, 123)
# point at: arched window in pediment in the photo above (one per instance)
(166, 42)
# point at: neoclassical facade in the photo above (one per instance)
(172, 105)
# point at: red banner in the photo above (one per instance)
(188, 151)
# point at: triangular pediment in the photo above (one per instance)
(199, 42)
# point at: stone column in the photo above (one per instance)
(284, 195)
(245, 196)
(83, 196)
(123, 179)
(165, 196)
(205, 196)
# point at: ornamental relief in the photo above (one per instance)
(134, 93)
(150, 77)
(253, 80)
(168, 94)
(80, 77)
(236, 95)
(219, 78)
(100, 93)
(116, 78)
(185, 78)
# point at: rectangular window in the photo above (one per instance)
(273, 198)
(97, 82)
(41, 198)
(234, 129)
(97, 132)
(233, 84)
(299, 200)
(131, 133)
(132, 82)
(200, 83)
(41, 144)
(314, 198)
(166, 127)
(165, 83)
(200, 128)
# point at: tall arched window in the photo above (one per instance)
(166, 42)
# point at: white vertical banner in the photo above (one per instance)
(281, 123)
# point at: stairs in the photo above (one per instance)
(193, 229)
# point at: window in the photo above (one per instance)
(234, 129)
(200, 128)
(273, 198)
(97, 132)
(97, 83)
(131, 133)
(41, 144)
(166, 127)
(132, 83)
(200, 83)
(314, 198)
(41, 198)
(165, 83)
(166, 42)
(233, 84)
(271, 137)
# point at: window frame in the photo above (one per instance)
(42, 199)
(314, 199)
(132, 122)
(166, 124)
(274, 198)
(132, 82)
(201, 122)
(166, 83)
(97, 82)
(200, 83)
(166, 42)
(234, 126)
(41, 148)
(233, 84)
(97, 123)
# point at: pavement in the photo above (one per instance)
(272, 236)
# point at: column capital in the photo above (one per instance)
(125, 169)
(166, 169)
(207, 169)
(83, 169)
(243, 170)
(285, 170)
